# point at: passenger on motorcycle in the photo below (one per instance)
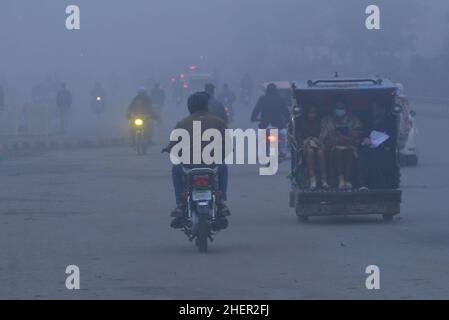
(198, 108)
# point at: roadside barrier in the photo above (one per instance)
(20, 146)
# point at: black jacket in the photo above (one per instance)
(272, 109)
(388, 126)
(218, 110)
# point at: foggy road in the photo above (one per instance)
(107, 211)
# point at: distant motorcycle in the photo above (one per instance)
(281, 139)
(202, 221)
(98, 105)
(142, 134)
(229, 113)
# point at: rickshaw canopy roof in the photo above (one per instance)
(341, 85)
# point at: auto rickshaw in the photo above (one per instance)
(359, 95)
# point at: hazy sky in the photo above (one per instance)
(154, 37)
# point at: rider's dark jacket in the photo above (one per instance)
(273, 110)
(208, 121)
(218, 109)
(141, 105)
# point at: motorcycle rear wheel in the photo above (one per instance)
(203, 235)
(140, 145)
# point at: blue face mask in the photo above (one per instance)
(340, 113)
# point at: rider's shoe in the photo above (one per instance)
(177, 223)
(220, 224)
(179, 211)
(223, 209)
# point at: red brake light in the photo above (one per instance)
(201, 181)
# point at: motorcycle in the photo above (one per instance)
(98, 105)
(141, 134)
(201, 194)
(281, 139)
(229, 113)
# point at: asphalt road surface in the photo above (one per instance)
(107, 211)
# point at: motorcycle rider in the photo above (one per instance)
(246, 86)
(215, 106)
(227, 98)
(141, 106)
(198, 108)
(271, 110)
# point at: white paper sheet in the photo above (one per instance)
(377, 138)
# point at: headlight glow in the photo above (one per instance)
(272, 139)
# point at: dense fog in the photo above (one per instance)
(127, 44)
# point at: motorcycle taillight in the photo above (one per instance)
(201, 181)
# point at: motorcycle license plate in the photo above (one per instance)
(202, 195)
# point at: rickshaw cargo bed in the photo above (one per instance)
(328, 203)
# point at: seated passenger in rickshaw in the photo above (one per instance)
(312, 149)
(377, 164)
(340, 134)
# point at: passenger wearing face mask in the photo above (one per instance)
(377, 166)
(340, 134)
